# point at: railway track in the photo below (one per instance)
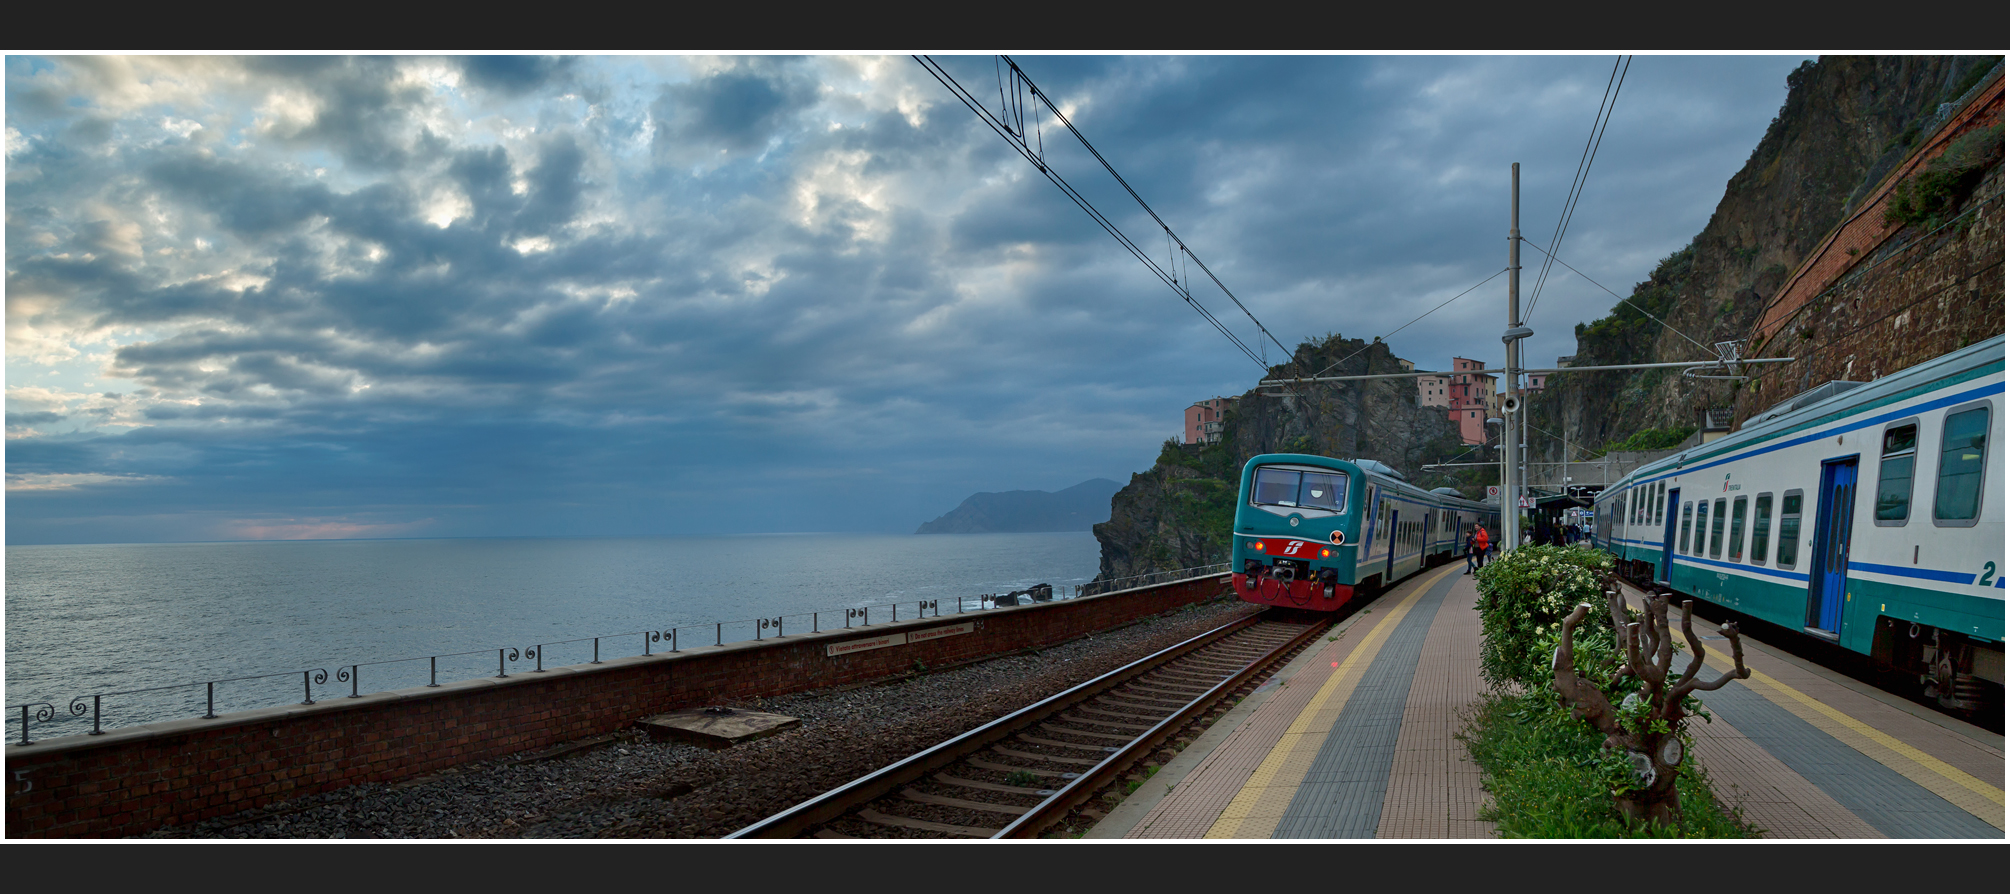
(1021, 774)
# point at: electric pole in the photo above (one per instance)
(1511, 410)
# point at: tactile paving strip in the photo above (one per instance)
(1889, 802)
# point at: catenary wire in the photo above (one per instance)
(1005, 131)
(1593, 141)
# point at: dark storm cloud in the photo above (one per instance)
(508, 310)
(737, 109)
(517, 75)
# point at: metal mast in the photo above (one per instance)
(1511, 410)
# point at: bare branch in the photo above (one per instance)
(1591, 703)
(1738, 669)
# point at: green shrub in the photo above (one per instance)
(1524, 597)
(1931, 194)
(1548, 777)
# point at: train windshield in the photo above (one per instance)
(1300, 489)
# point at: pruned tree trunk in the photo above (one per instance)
(1651, 739)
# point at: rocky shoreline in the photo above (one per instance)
(627, 786)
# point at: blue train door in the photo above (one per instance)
(1668, 537)
(1389, 575)
(1828, 576)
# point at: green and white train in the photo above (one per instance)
(1867, 515)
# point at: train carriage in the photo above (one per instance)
(1311, 531)
(1891, 490)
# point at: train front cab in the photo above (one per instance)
(1297, 530)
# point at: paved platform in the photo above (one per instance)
(1356, 739)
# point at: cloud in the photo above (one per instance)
(278, 296)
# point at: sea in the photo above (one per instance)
(126, 634)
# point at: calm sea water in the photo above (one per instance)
(106, 618)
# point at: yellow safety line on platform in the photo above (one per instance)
(1933, 774)
(1260, 804)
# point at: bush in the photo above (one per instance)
(1654, 438)
(1548, 777)
(1524, 597)
(1932, 193)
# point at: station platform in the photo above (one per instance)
(1357, 738)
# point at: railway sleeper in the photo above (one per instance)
(1033, 755)
(980, 785)
(962, 804)
(1036, 740)
(873, 816)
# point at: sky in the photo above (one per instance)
(324, 297)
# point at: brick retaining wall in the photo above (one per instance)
(133, 780)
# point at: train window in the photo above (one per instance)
(1957, 495)
(1762, 526)
(1702, 522)
(1790, 528)
(1300, 490)
(1895, 471)
(1717, 531)
(1737, 529)
(1688, 515)
(1660, 502)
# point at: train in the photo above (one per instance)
(1891, 490)
(1312, 531)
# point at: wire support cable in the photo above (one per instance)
(1622, 299)
(1380, 339)
(1592, 142)
(1012, 112)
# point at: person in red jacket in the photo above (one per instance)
(1476, 549)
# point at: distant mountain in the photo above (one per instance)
(1027, 511)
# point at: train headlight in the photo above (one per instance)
(1256, 545)
(1325, 553)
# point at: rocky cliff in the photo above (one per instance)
(1178, 513)
(1846, 124)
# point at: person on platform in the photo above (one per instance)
(1476, 549)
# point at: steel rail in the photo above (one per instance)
(1083, 787)
(837, 802)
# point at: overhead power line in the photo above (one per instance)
(1592, 141)
(1019, 98)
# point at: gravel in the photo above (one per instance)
(628, 786)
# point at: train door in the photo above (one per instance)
(1668, 537)
(1829, 575)
(1389, 573)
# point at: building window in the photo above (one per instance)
(1895, 472)
(1964, 440)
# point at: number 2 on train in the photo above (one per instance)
(1988, 574)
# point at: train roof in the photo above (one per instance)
(1813, 407)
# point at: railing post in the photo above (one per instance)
(211, 715)
(306, 688)
(97, 715)
(596, 650)
(718, 633)
(673, 639)
(435, 678)
(355, 679)
(501, 672)
(540, 657)
(24, 726)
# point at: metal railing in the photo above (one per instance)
(1096, 587)
(676, 637)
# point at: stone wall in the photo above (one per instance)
(133, 780)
